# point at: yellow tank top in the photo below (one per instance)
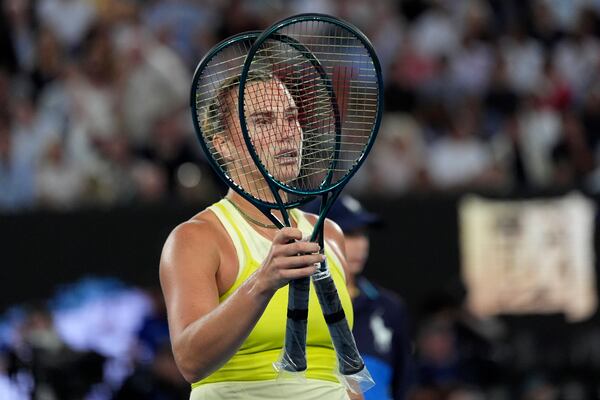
(254, 360)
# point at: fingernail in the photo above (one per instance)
(323, 257)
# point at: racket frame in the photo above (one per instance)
(270, 33)
(263, 206)
(325, 187)
(355, 372)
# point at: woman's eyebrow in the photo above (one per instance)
(271, 113)
(263, 114)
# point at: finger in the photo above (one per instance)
(295, 273)
(295, 248)
(287, 234)
(300, 261)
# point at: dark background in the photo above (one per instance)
(415, 252)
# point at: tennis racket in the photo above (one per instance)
(335, 79)
(213, 101)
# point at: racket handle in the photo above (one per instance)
(349, 359)
(294, 355)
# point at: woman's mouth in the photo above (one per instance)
(287, 156)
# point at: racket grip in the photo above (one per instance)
(349, 359)
(294, 355)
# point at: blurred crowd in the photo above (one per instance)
(96, 339)
(479, 94)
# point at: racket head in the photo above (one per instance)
(213, 103)
(339, 99)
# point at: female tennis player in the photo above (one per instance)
(224, 273)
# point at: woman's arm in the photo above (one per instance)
(204, 333)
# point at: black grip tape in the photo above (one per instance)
(335, 317)
(297, 315)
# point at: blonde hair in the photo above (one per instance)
(218, 109)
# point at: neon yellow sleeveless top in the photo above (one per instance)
(263, 347)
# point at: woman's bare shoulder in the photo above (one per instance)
(200, 236)
(333, 233)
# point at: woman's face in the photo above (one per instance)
(272, 119)
(357, 251)
(273, 127)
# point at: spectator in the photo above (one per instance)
(434, 33)
(396, 166)
(16, 173)
(524, 59)
(171, 149)
(20, 32)
(460, 158)
(50, 62)
(153, 73)
(439, 364)
(457, 353)
(31, 132)
(56, 370)
(572, 157)
(91, 104)
(160, 380)
(544, 27)
(471, 64)
(407, 71)
(81, 15)
(554, 91)
(509, 154)
(500, 100)
(540, 130)
(59, 184)
(183, 26)
(154, 331)
(577, 57)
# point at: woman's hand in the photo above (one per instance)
(289, 258)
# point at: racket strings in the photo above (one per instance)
(216, 94)
(311, 94)
(286, 63)
(348, 91)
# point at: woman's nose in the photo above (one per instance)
(288, 128)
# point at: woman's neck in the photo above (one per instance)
(251, 213)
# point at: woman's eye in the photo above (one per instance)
(262, 121)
